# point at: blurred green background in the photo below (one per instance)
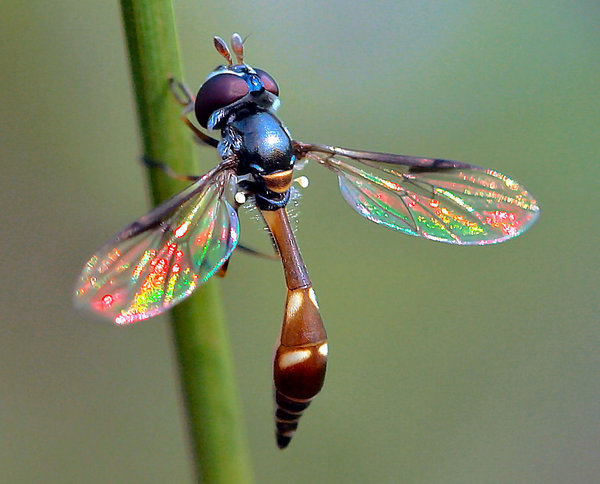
(447, 364)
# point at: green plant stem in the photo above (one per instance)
(201, 341)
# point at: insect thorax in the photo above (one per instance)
(262, 146)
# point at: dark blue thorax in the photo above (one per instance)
(262, 143)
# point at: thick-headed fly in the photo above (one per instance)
(163, 256)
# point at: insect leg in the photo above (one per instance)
(150, 163)
(257, 253)
(184, 96)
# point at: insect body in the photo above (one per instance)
(162, 257)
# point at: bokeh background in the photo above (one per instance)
(447, 364)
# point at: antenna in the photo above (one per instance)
(222, 48)
(237, 45)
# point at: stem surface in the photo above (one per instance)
(201, 340)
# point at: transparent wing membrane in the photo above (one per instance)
(440, 200)
(163, 256)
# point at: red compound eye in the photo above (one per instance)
(268, 82)
(216, 93)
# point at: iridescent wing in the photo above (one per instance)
(162, 257)
(442, 200)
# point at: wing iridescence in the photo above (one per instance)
(439, 200)
(143, 272)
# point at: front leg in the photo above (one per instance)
(184, 96)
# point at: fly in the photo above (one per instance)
(162, 257)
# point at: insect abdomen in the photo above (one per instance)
(301, 356)
(299, 373)
(300, 361)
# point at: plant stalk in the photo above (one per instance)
(201, 341)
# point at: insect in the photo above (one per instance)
(163, 256)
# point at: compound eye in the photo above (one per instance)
(216, 93)
(268, 82)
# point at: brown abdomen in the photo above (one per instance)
(300, 362)
(301, 356)
(299, 374)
